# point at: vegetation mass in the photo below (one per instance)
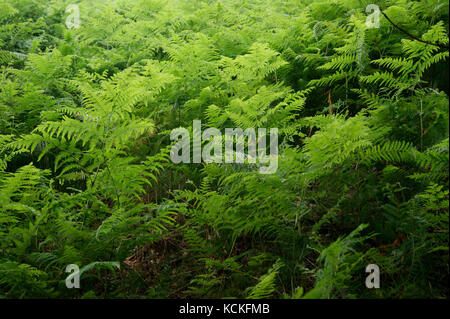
(86, 178)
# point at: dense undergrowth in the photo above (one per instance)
(86, 178)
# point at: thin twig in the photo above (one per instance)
(412, 36)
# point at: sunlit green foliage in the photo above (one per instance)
(86, 178)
